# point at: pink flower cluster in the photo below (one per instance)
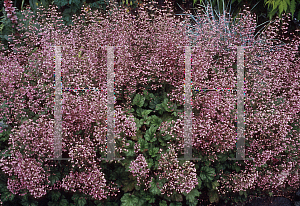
(11, 14)
(139, 168)
(30, 175)
(91, 182)
(213, 127)
(241, 181)
(124, 124)
(266, 179)
(83, 152)
(179, 178)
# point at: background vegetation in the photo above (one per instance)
(265, 10)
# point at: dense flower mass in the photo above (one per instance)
(27, 175)
(139, 168)
(11, 14)
(90, 182)
(146, 53)
(179, 178)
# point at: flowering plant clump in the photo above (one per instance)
(139, 168)
(270, 132)
(266, 104)
(30, 175)
(91, 182)
(34, 99)
(179, 178)
(10, 10)
(149, 79)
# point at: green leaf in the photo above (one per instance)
(143, 144)
(75, 197)
(167, 137)
(139, 112)
(32, 4)
(293, 8)
(153, 103)
(153, 129)
(149, 136)
(7, 196)
(284, 3)
(138, 123)
(191, 197)
(194, 2)
(174, 114)
(155, 120)
(137, 187)
(154, 189)
(78, 199)
(213, 196)
(129, 111)
(146, 94)
(207, 173)
(150, 199)
(164, 105)
(53, 179)
(288, 2)
(146, 112)
(177, 197)
(237, 168)
(275, 5)
(129, 185)
(281, 6)
(130, 148)
(271, 14)
(138, 100)
(152, 96)
(203, 176)
(55, 195)
(192, 203)
(153, 151)
(215, 184)
(243, 193)
(222, 157)
(163, 203)
(150, 163)
(210, 171)
(52, 203)
(26, 202)
(60, 3)
(147, 122)
(64, 202)
(129, 200)
(270, 194)
(199, 182)
(176, 204)
(269, 3)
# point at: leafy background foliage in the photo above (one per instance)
(265, 10)
(150, 108)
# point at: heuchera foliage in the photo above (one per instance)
(148, 55)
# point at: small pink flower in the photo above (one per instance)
(9, 15)
(7, 9)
